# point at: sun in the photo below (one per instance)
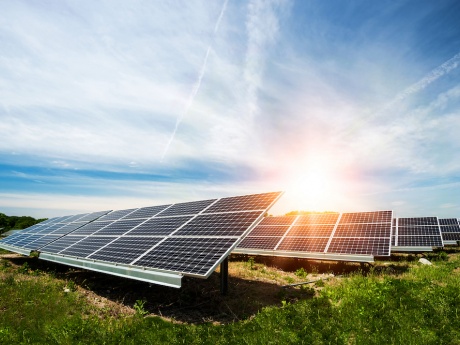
(314, 186)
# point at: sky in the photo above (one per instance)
(345, 106)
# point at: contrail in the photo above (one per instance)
(431, 77)
(197, 85)
(435, 74)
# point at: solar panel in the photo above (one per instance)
(119, 227)
(243, 203)
(355, 236)
(450, 230)
(146, 212)
(321, 218)
(312, 230)
(188, 255)
(185, 208)
(61, 244)
(162, 243)
(416, 234)
(125, 250)
(376, 246)
(86, 246)
(159, 226)
(115, 215)
(91, 228)
(260, 242)
(42, 234)
(303, 244)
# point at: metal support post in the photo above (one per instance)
(224, 277)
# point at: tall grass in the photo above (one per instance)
(420, 306)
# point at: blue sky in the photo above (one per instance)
(344, 105)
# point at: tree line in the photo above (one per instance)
(16, 223)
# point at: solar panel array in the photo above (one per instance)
(360, 233)
(41, 234)
(189, 238)
(450, 230)
(416, 233)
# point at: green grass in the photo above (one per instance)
(418, 306)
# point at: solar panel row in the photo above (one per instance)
(363, 233)
(416, 234)
(169, 241)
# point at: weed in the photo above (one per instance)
(25, 268)
(319, 283)
(289, 280)
(301, 273)
(71, 286)
(437, 256)
(139, 307)
(251, 263)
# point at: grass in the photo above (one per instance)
(398, 302)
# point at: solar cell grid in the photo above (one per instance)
(261, 230)
(367, 217)
(322, 218)
(418, 230)
(49, 229)
(244, 203)
(115, 215)
(159, 226)
(14, 239)
(311, 230)
(282, 220)
(63, 219)
(92, 216)
(42, 241)
(448, 221)
(413, 241)
(451, 236)
(124, 250)
(268, 243)
(369, 246)
(75, 217)
(65, 229)
(119, 227)
(86, 246)
(61, 243)
(23, 242)
(28, 244)
(187, 255)
(230, 224)
(34, 228)
(304, 244)
(185, 208)
(450, 228)
(91, 228)
(363, 230)
(417, 221)
(10, 238)
(146, 212)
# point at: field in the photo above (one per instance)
(399, 301)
